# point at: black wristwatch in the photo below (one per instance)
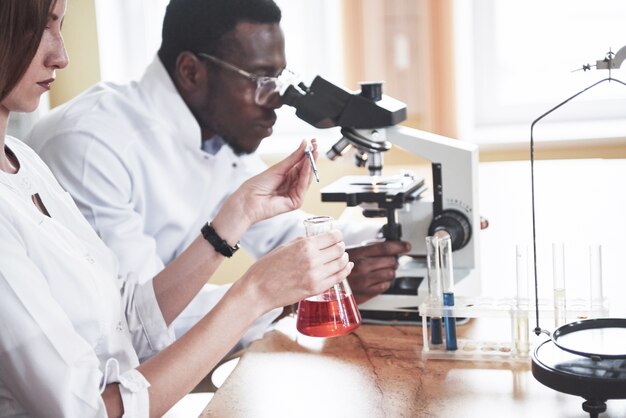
(220, 245)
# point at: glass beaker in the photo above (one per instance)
(333, 312)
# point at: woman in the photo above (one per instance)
(72, 331)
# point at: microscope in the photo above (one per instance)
(369, 123)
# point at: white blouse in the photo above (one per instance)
(70, 324)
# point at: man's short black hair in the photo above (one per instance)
(200, 25)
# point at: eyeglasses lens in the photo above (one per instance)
(268, 86)
(265, 89)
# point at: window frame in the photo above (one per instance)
(493, 123)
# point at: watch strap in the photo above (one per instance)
(220, 245)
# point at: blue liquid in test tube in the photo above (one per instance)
(449, 322)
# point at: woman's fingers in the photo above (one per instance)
(302, 268)
(326, 239)
(324, 248)
(334, 267)
(330, 263)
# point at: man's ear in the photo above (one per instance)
(190, 72)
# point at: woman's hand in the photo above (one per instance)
(295, 271)
(279, 189)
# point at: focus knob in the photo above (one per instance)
(455, 224)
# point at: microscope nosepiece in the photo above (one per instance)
(338, 149)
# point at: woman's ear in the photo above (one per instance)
(190, 72)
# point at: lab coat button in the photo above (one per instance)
(26, 184)
(89, 258)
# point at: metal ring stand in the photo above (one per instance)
(598, 338)
(582, 358)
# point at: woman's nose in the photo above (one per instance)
(57, 57)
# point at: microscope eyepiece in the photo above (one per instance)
(325, 105)
(372, 90)
(291, 96)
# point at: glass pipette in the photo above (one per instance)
(309, 152)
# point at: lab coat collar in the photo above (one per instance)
(163, 98)
(213, 145)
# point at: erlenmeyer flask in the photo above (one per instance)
(333, 312)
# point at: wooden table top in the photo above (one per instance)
(380, 371)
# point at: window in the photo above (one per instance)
(406, 44)
(515, 60)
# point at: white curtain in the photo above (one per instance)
(314, 46)
(129, 34)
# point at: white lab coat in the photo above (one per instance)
(70, 325)
(131, 157)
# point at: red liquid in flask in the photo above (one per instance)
(328, 316)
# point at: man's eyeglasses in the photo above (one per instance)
(265, 86)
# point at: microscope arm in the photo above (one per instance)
(459, 181)
(459, 160)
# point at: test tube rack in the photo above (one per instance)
(515, 350)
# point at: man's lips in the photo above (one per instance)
(267, 124)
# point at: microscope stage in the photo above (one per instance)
(355, 190)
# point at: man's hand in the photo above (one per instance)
(374, 267)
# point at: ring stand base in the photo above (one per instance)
(594, 380)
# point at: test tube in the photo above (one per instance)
(522, 302)
(435, 293)
(596, 295)
(447, 280)
(558, 277)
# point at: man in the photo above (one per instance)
(150, 162)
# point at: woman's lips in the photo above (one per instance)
(46, 83)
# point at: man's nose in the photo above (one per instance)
(274, 101)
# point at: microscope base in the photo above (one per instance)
(399, 305)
